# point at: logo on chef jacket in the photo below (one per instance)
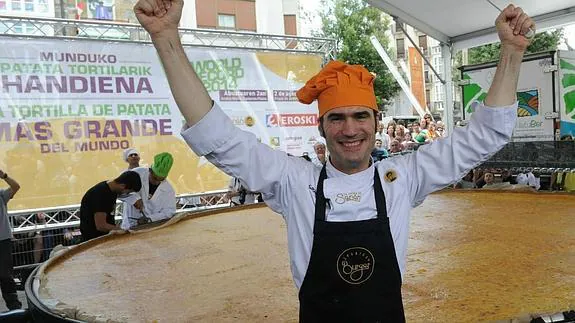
(355, 265)
(247, 121)
(342, 198)
(390, 176)
(250, 121)
(291, 120)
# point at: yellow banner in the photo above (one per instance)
(69, 110)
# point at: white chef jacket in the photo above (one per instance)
(161, 206)
(385, 139)
(235, 186)
(529, 179)
(288, 183)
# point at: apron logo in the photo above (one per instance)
(355, 265)
(390, 176)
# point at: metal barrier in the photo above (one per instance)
(38, 231)
(544, 154)
(536, 154)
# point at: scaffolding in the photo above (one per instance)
(69, 29)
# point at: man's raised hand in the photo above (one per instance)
(512, 26)
(159, 16)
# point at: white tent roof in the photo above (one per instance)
(470, 23)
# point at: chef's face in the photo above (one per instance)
(350, 137)
(319, 149)
(133, 158)
(155, 179)
(488, 178)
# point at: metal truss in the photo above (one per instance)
(69, 216)
(128, 32)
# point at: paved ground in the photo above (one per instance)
(22, 298)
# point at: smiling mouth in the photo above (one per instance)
(352, 144)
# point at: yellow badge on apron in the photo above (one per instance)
(390, 176)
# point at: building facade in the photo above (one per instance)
(26, 8)
(279, 17)
(432, 89)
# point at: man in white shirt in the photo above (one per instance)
(320, 155)
(156, 200)
(347, 222)
(529, 179)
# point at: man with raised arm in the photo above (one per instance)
(347, 221)
(7, 284)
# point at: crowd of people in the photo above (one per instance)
(521, 178)
(396, 137)
(392, 138)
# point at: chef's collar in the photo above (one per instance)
(334, 172)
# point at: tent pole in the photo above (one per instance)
(448, 103)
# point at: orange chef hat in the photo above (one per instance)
(339, 85)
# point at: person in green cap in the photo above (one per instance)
(157, 198)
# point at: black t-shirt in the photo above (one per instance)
(99, 198)
(153, 189)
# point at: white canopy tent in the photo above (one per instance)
(460, 24)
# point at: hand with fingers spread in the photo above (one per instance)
(512, 26)
(159, 16)
(139, 205)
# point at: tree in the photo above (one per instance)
(545, 41)
(351, 23)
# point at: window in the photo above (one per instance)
(3, 5)
(438, 65)
(399, 28)
(30, 29)
(43, 5)
(16, 5)
(438, 106)
(428, 96)
(19, 28)
(427, 79)
(227, 21)
(400, 42)
(103, 12)
(423, 43)
(436, 50)
(29, 5)
(438, 91)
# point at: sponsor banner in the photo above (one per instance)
(567, 92)
(69, 109)
(291, 120)
(534, 95)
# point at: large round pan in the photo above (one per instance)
(473, 256)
